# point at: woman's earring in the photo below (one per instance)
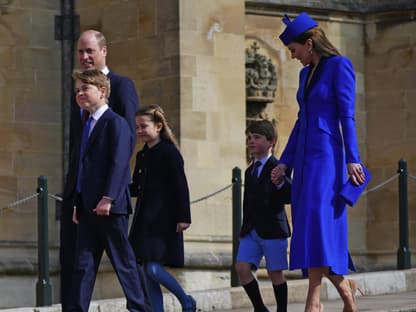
(310, 51)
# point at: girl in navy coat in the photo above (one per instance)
(162, 210)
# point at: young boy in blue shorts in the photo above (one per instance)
(265, 228)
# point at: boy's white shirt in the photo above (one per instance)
(97, 115)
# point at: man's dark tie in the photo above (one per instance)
(84, 141)
(255, 171)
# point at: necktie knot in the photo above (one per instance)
(256, 167)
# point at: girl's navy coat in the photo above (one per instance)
(161, 188)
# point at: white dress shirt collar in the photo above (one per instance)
(105, 70)
(99, 112)
(263, 160)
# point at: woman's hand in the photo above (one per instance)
(356, 173)
(278, 173)
(182, 226)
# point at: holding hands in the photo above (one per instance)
(278, 173)
(355, 171)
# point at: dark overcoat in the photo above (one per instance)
(161, 188)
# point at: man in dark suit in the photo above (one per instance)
(92, 53)
(103, 198)
(123, 100)
(265, 229)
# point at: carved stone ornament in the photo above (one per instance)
(261, 80)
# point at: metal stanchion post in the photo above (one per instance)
(236, 200)
(43, 286)
(403, 253)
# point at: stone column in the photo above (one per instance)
(212, 108)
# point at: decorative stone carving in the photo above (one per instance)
(261, 80)
(261, 84)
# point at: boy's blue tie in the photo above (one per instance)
(255, 171)
(84, 141)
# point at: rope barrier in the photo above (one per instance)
(381, 184)
(55, 197)
(19, 202)
(58, 198)
(212, 194)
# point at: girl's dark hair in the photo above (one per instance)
(320, 42)
(156, 114)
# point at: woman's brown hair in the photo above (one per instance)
(320, 42)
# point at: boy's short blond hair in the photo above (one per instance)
(263, 127)
(94, 77)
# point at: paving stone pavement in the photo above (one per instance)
(385, 291)
(399, 302)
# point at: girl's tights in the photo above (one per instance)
(156, 276)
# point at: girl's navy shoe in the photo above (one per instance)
(191, 306)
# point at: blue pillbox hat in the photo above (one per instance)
(298, 26)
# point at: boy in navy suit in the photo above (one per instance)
(265, 228)
(103, 199)
(91, 49)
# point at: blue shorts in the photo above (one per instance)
(252, 248)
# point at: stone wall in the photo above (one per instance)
(390, 72)
(143, 44)
(30, 138)
(332, 6)
(30, 119)
(212, 107)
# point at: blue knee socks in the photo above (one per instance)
(158, 275)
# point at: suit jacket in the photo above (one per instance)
(124, 101)
(264, 204)
(106, 170)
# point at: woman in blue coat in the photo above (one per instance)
(162, 210)
(322, 147)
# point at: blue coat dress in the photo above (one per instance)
(322, 141)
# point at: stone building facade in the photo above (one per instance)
(189, 57)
